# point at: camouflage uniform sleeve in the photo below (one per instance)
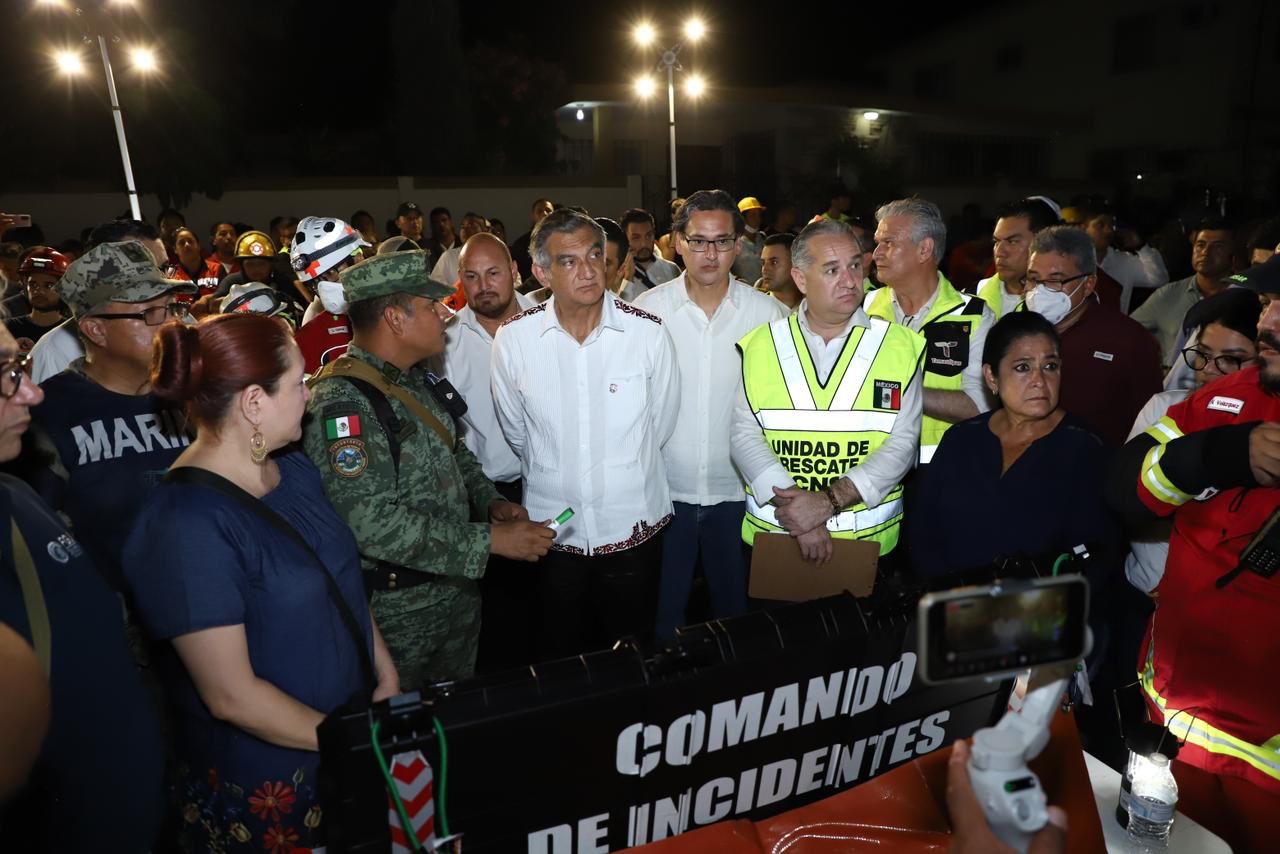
(480, 490)
(360, 481)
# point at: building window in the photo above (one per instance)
(1009, 58)
(1141, 42)
(628, 157)
(936, 82)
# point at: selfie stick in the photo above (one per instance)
(1009, 792)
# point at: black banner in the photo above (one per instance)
(745, 719)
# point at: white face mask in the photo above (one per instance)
(1053, 306)
(331, 296)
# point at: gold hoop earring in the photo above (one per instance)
(258, 446)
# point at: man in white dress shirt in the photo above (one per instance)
(487, 276)
(587, 391)
(706, 312)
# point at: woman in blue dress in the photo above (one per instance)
(261, 651)
(1023, 480)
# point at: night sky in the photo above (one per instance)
(236, 71)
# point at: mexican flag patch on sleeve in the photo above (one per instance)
(342, 427)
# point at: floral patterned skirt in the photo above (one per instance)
(219, 815)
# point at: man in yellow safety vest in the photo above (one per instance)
(827, 420)
(1016, 225)
(910, 239)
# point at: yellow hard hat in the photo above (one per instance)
(750, 203)
(1072, 216)
(255, 244)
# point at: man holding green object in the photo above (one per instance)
(384, 437)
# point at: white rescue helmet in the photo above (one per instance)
(320, 244)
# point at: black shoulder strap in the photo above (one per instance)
(974, 304)
(386, 416)
(218, 483)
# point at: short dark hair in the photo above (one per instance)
(636, 215)
(1039, 215)
(614, 234)
(122, 229)
(367, 313)
(171, 212)
(360, 213)
(435, 211)
(1012, 328)
(213, 229)
(783, 238)
(839, 191)
(537, 203)
(563, 221)
(1213, 223)
(709, 200)
(1237, 309)
(1265, 235)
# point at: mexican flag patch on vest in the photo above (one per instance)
(343, 427)
(888, 395)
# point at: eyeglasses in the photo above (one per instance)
(153, 316)
(11, 374)
(1051, 284)
(1197, 360)
(700, 244)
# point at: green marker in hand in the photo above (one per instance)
(564, 516)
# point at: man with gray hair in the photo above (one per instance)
(910, 240)
(827, 420)
(1110, 364)
(587, 391)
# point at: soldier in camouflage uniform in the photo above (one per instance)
(428, 522)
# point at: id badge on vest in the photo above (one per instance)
(946, 348)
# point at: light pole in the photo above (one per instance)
(644, 35)
(70, 63)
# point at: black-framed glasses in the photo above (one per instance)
(1052, 284)
(153, 316)
(11, 374)
(700, 244)
(1197, 360)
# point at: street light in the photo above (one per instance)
(644, 34)
(144, 59)
(69, 62)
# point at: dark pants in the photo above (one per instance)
(713, 533)
(509, 606)
(587, 603)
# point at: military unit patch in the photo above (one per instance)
(348, 457)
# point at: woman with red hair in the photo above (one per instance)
(240, 562)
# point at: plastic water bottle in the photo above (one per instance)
(1152, 803)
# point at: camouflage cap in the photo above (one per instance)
(115, 272)
(392, 273)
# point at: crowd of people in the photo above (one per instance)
(320, 467)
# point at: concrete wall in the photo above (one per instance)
(63, 215)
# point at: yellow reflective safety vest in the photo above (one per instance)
(948, 330)
(818, 431)
(991, 291)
